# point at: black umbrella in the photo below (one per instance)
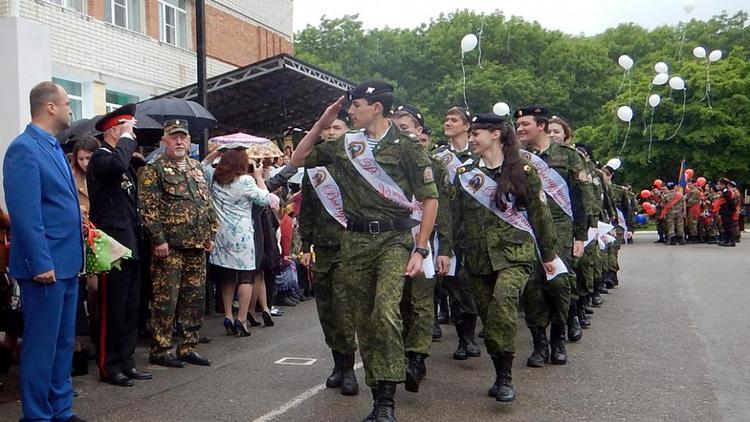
(83, 127)
(147, 131)
(163, 109)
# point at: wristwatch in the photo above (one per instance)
(422, 251)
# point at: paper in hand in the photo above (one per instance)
(560, 268)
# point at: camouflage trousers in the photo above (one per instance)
(418, 313)
(179, 294)
(335, 312)
(548, 301)
(691, 224)
(675, 225)
(586, 269)
(460, 294)
(373, 267)
(613, 251)
(497, 297)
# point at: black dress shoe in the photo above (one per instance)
(119, 380)
(167, 360)
(195, 359)
(135, 374)
(75, 418)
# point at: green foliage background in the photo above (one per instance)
(575, 76)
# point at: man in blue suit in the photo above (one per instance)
(47, 254)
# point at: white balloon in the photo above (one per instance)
(625, 62)
(677, 83)
(654, 100)
(469, 42)
(625, 113)
(714, 56)
(689, 6)
(660, 79)
(699, 52)
(614, 163)
(661, 67)
(501, 109)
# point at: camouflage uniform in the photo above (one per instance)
(319, 228)
(499, 257)
(374, 263)
(546, 302)
(177, 210)
(622, 203)
(692, 205)
(674, 215)
(417, 304)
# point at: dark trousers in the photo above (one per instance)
(119, 297)
(49, 317)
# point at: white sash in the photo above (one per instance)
(362, 158)
(621, 220)
(451, 161)
(328, 192)
(552, 183)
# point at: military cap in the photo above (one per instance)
(343, 116)
(487, 119)
(427, 130)
(733, 183)
(115, 117)
(369, 89)
(413, 111)
(173, 126)
(532, 110)
(462, 111)
(671, 185)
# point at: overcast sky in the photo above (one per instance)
(570, 16)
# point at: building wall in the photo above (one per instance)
(274, 14)
(4, 6)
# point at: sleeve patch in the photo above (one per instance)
(428, 176)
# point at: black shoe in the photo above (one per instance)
(119, 379)
(371, 416)
(587, 308)
(80, 363)
(460, 353)
(505, 392)
(204, 339)
(251, 321)
(614, 278)
(574, 323)
(241, 329)
(286, 301)
(166, 360)
(540, 354)
(602, 289)
(470, 326)
(585, 322)
(596, 300)
(135, 374)
(437, 332)
(416, 370)
(335, 379)
(194, 358)
(384, 410)
(672, 241)
(730, 244)
(443, 316)
(349, 384)
(230, 327)
(75, 418)
(6, 358)
(558, 354)
(267, 320)
(661, 240)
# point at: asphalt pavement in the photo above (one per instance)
(670, 344)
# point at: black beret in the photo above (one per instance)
(369, 89)
(413, 111)
(343, 115)
(532, 110)
(427, 130)
(463, 111)
(671, 185)
(111, 119)
(487, 119)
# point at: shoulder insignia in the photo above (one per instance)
(583, 176)
(428, 176)
(463, 169)
(595, 181)
(527, 169)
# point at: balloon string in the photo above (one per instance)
(481, 31)
(625, 140)
(707, 95)
(682, 43)
(622, 84)
(682, 118)
(463, 71)
(645, 106)
(650, 136)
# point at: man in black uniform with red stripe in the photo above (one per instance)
(113, 191)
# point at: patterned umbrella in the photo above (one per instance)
(257, 148)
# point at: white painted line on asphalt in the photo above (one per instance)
(296, 361)
(296, 402)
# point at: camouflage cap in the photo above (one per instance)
(173, 126)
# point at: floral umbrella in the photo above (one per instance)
(257, 148)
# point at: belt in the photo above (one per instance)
(379, 226)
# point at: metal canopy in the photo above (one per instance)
(268, 98)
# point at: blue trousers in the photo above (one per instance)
(49, 315)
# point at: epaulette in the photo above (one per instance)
(570, 147)
(467, 167)
(439, 148)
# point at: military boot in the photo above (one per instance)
(585, 322)
(587, 307)
(608, 282)
(416, 370)
(460, 353)
(371, 416)
(349, 385)
(505, 392)
(596, 300)
(540, 354)
(672, 241)
(681, 240)
(615, 279)
(443, 316)
(384, 409)
(437, 332)
(334, 380)
(574, 324)
(558, 354)
(472, 350)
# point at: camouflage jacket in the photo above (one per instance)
(176, 205)
(489, 243)
(444, 220)
(568, 163)
(621, 201)
(316, 226)
(676, 209)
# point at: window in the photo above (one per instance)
(173, 22)
(117, 99)
(75, 94)
(124, 13)
(77, 5)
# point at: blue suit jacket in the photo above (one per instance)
(43, 205)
